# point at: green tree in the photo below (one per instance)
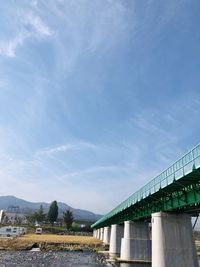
(74, 226)
(68, 218)
(40, 215)
(53, 212)
(30, 216)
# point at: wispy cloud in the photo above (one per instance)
(38, 25)
(29, 25)
(95, 170)
(8, 48)
(90, 26)
(67, 147)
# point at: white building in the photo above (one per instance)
(12, 217)
(2, 214)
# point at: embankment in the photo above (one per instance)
(49, 242)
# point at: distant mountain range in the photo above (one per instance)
(6, 202)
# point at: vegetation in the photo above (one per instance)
(50, 222)
(49, 242)
(30, 216)
(53, 212)
(68, 219)
(74, 226)
(40, 215)
(59, 238)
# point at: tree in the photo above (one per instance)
(74, 226)
(53, 212)
(30, 216)
(68, 218)
(40, 215)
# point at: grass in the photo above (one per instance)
(50, 242)
(197, 242)
(55, 242)
(69, 239)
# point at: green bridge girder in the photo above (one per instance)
(177, 189)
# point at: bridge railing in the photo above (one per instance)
(177, 170)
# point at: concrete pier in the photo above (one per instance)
(135, 264)
(98, 233)
(172, 241)
(101, 233)
(94, 233)
(117, 232)
(136, 245)
(106, 235)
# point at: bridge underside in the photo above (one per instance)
(182, 196)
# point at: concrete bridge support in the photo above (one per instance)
(106, 235)
(172, 241)
(127, 264)
(98, 233)
(94, 233)
(101, 233)
(136, 244)
(117, 232)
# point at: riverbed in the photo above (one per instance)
(56, 259)
(48, 259)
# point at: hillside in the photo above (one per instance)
(79, 214)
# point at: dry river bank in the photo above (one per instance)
(50, 242)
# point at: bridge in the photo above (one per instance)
(154, 223)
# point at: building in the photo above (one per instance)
(12, 217)
(2, 214)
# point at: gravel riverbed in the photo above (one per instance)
(49, 259)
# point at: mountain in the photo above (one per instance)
(6, 202)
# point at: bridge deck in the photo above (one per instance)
(175, 189)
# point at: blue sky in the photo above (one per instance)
(96, 97)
